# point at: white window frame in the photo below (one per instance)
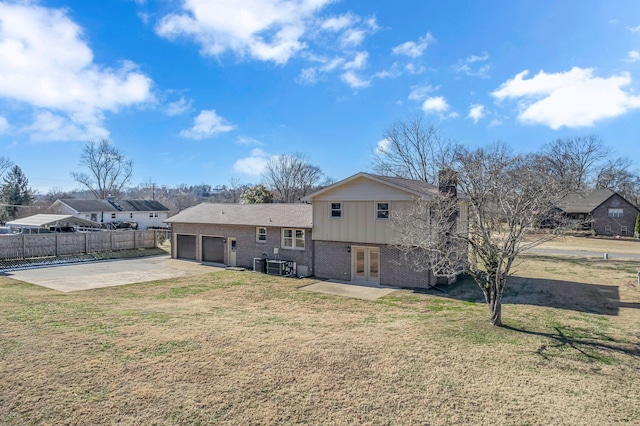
(113, 215)
(623, 230)
(296, 240)
(338, 210)
(130, 215)
(259, 234)
(607, 229)
(616, 213)
(378, 210)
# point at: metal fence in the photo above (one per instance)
(59, 244)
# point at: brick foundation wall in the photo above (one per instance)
(246, 246)
(333, 261)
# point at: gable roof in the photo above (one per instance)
(113, 206)
(278, 215)
(415, 187)
(580, 202)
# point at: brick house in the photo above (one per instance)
(235, 234)
(352, 236)
(343, 234)
(604, 211)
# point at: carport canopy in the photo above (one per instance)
(46, 220)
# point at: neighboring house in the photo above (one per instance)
(235, 234)
(604, 211)
(144, 213)
(352, 236)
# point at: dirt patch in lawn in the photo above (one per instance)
(244, 348)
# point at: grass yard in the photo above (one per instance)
(241, 348)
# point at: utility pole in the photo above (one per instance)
(153, 191)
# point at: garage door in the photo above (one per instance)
(213, 249)
(186, 247)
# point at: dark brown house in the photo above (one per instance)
(602, 210)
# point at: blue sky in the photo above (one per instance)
(200, 91)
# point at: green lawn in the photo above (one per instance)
(242, 348)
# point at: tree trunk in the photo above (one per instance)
(493, 296)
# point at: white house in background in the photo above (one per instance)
(145, 213)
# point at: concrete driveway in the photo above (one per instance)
(84, 276)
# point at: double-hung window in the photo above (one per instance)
(261, 234)
(382, 211)
(335, 210)
(293, 239)
(616, 213)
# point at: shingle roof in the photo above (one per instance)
(412, 185)
(117, 205)
(579, 202)
(279, 215)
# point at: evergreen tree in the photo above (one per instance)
(15, 192)
(637, 228)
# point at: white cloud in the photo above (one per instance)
(354, 81)
(47, 126)
(435, 105)
(4, 125)
(634, 29)
(392, 72)
(466, 66)
(382, 146)
(476, 112)
(352, 37)
(413, 69)
(246, 140)
(633, 56)
(575, 98)
(419, 92)
(358, 62)
(413, 49)
(179, 107)
(45, 63)
(267, 30)
(495, 122)
(337, 23)
(254, 164)
(308, 76)
(207, 124)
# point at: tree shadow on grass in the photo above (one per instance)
(589, 344)
(581, 297)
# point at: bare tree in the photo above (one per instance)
(412, 149)
(5, 164)
(109, 170)
(506, 196)
(291, 176)
(617, 175)
(573, 161)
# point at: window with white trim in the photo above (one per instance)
(616, 213)
(113, 215)
(261, 234)
(293, 238)
(382, 211)
(335, 210)
(607, 229)
(623, 230)
(153, 214)
(130, 215)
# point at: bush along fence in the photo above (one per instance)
(61, 244)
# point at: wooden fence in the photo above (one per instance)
(58, 244)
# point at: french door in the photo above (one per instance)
(365, 264)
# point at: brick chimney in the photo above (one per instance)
(448, 182)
